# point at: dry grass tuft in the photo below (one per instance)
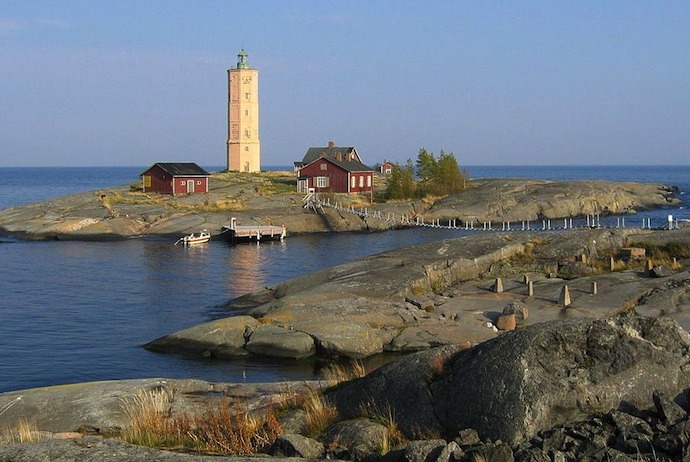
(386, 417)
(149, 413)
(336, 373)
(235, 431)
(478, 457)
(222, 428)
(25, 432)
(418, 288)
(319, 413)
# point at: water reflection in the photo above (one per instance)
(248, 266)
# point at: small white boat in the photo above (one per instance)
(195, 238)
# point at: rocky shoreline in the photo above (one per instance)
(434, 294)
(271, 199)
(514, 374)
(569, 382)
(597, 390)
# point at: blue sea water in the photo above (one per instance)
(81, 311)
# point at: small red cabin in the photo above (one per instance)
(387, 167)
(334, 169)
(175, 178)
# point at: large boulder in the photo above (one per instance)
(534, 378)
(399, 388)
(530, 379)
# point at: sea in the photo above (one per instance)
(75, 311)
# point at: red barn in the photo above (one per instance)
(175, 178)
(334, 169)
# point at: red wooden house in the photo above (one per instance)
(175, 178)
(387, 167)
(334, 169)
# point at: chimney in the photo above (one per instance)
(331, 144)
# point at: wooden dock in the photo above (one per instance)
(252, 233)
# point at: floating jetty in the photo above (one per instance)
(248, 233)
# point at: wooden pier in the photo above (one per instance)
(252, 233)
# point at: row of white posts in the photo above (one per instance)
(592, 221)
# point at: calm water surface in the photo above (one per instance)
(80, 311)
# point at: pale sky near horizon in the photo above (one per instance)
(133, 82)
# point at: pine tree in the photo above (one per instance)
(401, 184)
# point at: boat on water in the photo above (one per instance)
(251, 233)
(195, 238)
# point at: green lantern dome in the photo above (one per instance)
(242, 60)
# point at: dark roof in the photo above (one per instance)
(348, 165)
(181, 168)
(331, 154)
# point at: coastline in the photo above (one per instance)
(268, 199)
(406, 279)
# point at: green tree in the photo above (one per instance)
(426, 165)
(427, 169)
(449, 179)
(401, 184)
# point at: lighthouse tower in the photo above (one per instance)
(243, 146)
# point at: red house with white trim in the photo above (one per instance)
(334, 169)
(387, 167)
(175, 178)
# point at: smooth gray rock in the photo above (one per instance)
(424, 450)
(108, 450)
(342, 338)
(275, 341)
(98, 405)
(501, 200)
(220, 338)
(294, 445)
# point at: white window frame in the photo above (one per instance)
(321, 181)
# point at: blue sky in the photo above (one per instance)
(132, 82)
